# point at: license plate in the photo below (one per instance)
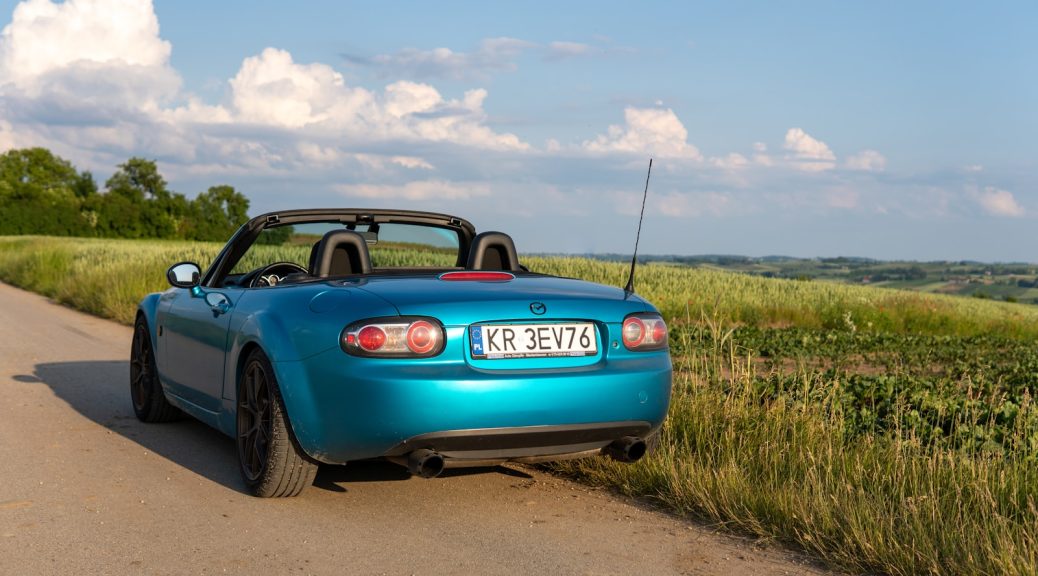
(495, 341)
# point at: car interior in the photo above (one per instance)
(343, 252)
(339, 253)
(493, 251)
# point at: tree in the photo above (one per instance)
(85, 186)
(38, 194)
(141, 205)
(36, 171)
(138, 180)
(41, 193)
(275, 236)
(117, 216)
(217, 213)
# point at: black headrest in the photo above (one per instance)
(493, 251)
(312, 266)
(341, 252)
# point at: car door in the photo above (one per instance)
(195, 342)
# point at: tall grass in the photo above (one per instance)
(103, 277)
(788, 471)
(760, 301)
(773, 465)
(108, 277)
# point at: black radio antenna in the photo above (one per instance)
(634, 259)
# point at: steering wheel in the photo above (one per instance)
(272, 274)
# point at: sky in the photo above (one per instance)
(894, 130)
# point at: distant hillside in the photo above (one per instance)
(1009, 281)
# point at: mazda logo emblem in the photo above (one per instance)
(538, 308)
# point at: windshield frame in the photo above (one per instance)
(243, 239)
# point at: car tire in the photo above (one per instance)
(148, 399)
(270, 460)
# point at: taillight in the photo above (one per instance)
(634, 332)
(422, 337)
(395, 337)
(371, 338)
(644, 332)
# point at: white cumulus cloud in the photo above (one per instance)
(380, 162)
(91, 79)
(271, 88)
(867, 160)
(999, 202)
(492, 54)
(561, 50)
(732, 161)
(7, 137)
(84, 77)
(693, 205)
(760, 154)
(44, 36)
(416, 190)
(808, 153)
(649, 131)
(81, 53)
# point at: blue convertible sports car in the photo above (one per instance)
(340, 335)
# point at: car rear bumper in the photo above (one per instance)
(345, 408)
(490, 444)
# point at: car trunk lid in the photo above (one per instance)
(524, 297)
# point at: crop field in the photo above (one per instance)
(1011, 282)
(880, 430)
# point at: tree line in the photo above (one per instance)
(42, 193)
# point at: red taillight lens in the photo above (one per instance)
(634, 332)
(644, 332)
(659, 332)
(395, 337)
(422, 337)
(371, 338)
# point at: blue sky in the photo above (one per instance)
(883, 129)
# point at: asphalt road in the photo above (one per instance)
(87, 489)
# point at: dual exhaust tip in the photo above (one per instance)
(429, 464)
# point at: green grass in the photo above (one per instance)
(103, 277)
(787, 473)
(108, 277)
(897, 452)
(881, 430)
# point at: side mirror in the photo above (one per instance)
(184, 275)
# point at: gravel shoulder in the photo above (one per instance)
(87, 489)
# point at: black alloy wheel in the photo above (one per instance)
(149, 402)
(254, 422)
(271, 463)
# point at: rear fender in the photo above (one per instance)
(289, 331)
(265, 330)
(268, 332)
